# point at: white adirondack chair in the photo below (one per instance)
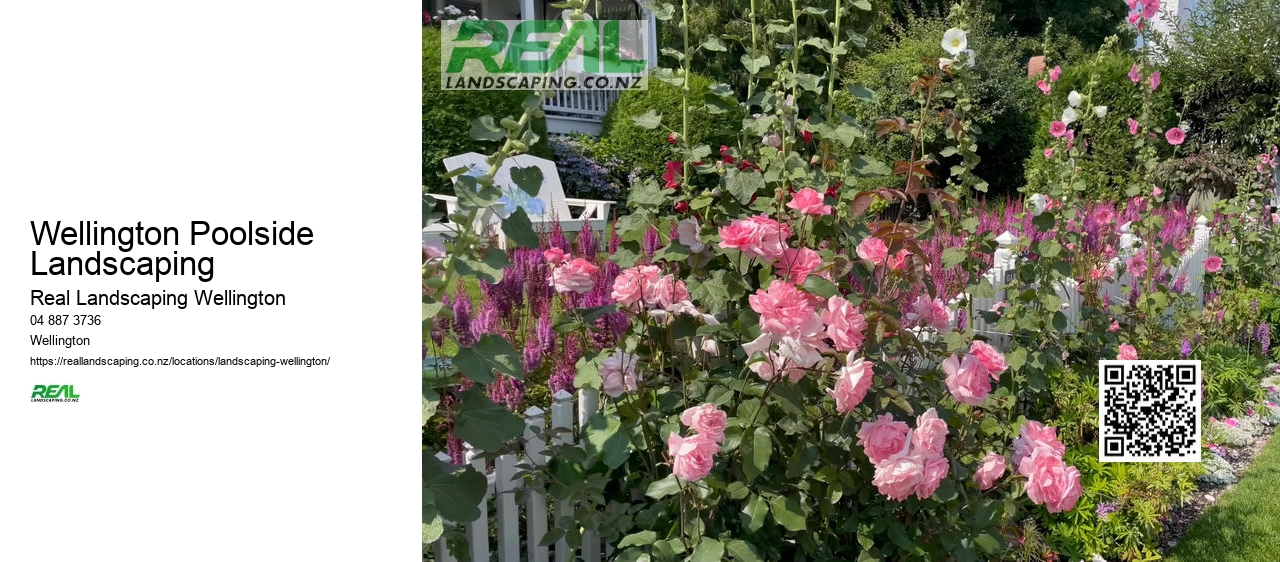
(555, 205)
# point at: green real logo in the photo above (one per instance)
(544, 54)
(54, 393)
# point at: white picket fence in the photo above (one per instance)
(505, 479)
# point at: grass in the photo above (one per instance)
(1244, 526)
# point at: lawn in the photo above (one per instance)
(1245, 525)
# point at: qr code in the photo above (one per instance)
(1149, 411)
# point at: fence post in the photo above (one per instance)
(505, 483)
(478, 530)
(535, 512)
(562, 433)
(588, 404)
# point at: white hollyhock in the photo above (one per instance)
(1037, 204)
(1073, 98)
(1100, 111)
(1069, 115)
(954, 41)
(945, 63)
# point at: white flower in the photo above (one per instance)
(1100, 111)
(688, 231)
(1069, 115)
(968, 57)
(945, 63)
(954, 41)
(1037, 204)
(1073, 98)
(1097, 558)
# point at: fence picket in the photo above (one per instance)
(535, 513)
(562, 433)
(505, 485)
(588, 404)
(478, 530)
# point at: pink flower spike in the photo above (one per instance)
(1057, 129)
(1155, 80)
(1133, 126)
(1175, 136)
(1055, 74)
(1134, 73)
(1044, 87)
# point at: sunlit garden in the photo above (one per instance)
(837, 285)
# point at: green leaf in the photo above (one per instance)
(432, 523)
(456, 494)
(755, 510)
(713, 43)
(484, 424)
(862, 92)
(816, 285)
(491, 353)
(863, 5)
(649, 120)
(987, 543)
(743, 551)
(643, 538)
(484, 129)
(1017, 358)
(756, 452)
(662, 488)
(519, 228)
(744, 185)
(754, 65)
(489, 267)
(528, 179)
(952, 257)
(605, 438)
(708, 550)
(786, 511)
(869, 166)
(430, 400)
(431, 309)
(663, 11)
(647, 194)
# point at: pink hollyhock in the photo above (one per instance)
(873, 250)
(930, 434)
(809, 202)
(1044, 87)
(991, 469)
(673, 137)
(1155, 80)
(707, 420)
(1057, 129)
(968, 381)
(1213, 264)
(935, 469)
(797, 263)
(929, 312)
(785, 310)
(852, 384)
(575, 276)
(1135, 74)
(1055, 74)
(1127, 352)
(553, 255)
(1048, 153)
(845, 324)
(1033, 435)
(1114, 327)
(1137, 265)
(1133, 126)
(884, 439)
(618, 372)
(674, 174)
(997, 306)
(1175, 136)
(629, 287)
(990, 358)
(1071, 138)
(898, 478)
(1050, 482)
(691, 457)
(1150, 8)
(1156, 191)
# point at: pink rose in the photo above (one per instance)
(991, 469)
(784, 310)
(809, 202)
(1133, 126)
(930, 435)
(929, 312)
(1175, 136)
(899, 477)
(1213, 264)
(852, 384)
(738, 235)
(666, 291)
(1044, 87)
(990, 358)
(1127, 352)
(691, 457)
(873, 250)
(707, 420)
(1057, 129)
(618, 373)
(1050, 482)
(797, 263)
(769, 237)
(630, 285)
(968, 381)
(935, 469)
(575, 276)
(1055, 74)
(884, 439)
(553, 255)
(898, 260)
(1033, 435)
(845, 324)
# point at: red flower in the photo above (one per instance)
(675, 173)
(831, 190)
(682, 207)
(808, 137)
(673, 138)
(724, 155)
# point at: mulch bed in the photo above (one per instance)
(1181, 518)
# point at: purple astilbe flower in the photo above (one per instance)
(556, 239)
(462, 320)
(532, 354)
(1186, 348)
(614, 239)
(546, 335)
(1180, 284)
(454, 447)
(962, 320)
(651, 241)
(1134, 293)
(566, 365)
(508, 391)
(487, 321)
(1107, 508)
(587, 248)
(1263, 335)
(1253, 307)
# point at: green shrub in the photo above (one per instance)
(447, 117)
(1231, 378)
(648, 149)
(1107, 163)
(1004, 99)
